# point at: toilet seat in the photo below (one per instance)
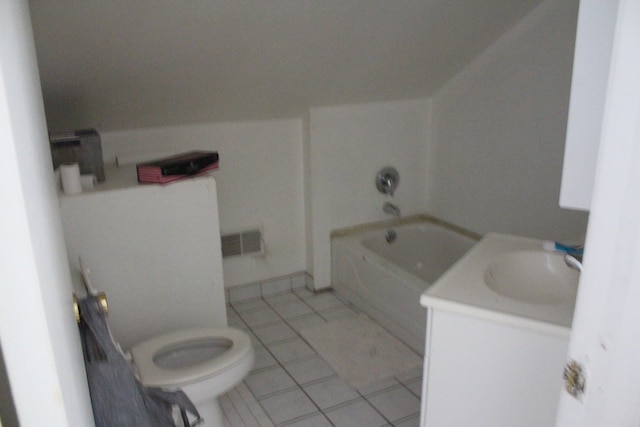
(154, 375)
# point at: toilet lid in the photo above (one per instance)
(154, 375)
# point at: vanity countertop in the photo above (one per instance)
(463, 288)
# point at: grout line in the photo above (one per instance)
(304, 417)
(356, 400)
(320, 380)
(301, 359)
(343, 404)
(407, 418)
(382, 391)
(301, 386)
(281, 365)
(409, 389)
(276, 393)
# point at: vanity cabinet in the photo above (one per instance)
(498, 327)
(481, 372)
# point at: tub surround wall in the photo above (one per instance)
(348, 146)
(259, 183)
(499, 130)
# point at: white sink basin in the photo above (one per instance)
(510, 279)
(536, 277)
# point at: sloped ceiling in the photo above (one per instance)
(117, 64)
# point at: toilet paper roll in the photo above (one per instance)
(70, 175)
(88, 181)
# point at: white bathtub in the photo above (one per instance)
(385, 280)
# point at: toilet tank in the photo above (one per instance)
(153, 249)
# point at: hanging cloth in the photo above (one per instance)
(118, 397)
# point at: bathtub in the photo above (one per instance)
(385, 279)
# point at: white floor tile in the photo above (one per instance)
(396, 404)
(415, 387)
(410, 375)
(250, 305)
(260, 317)
(324, 301)
(357, 414)
(241, 409)
(379, 385)
(254, 340)
(410, 422)
(331, 392)
(274, 333)
(304, 322)
(276, 286)
(288, 351)
(303, 292)
(298, 281)
(236, 322)
(338, 313)
(315, 420)
(308, 370)
(287, 406)
(263, 359)
(281, 298)
(270, 381)
(242, 293)
(284, 360)
(292, 309)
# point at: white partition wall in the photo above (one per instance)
(259, 184)
(153, 249)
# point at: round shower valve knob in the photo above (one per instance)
(387, 180)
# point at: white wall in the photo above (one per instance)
(265, 167)
(260, 183)
(348, 145)
(39, 335)
(485, 153)
(499, 131)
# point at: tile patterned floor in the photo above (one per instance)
(295, 387)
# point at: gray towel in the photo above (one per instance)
(117, 396)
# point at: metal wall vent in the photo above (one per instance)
(241, 243)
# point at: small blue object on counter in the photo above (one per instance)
(559, 247)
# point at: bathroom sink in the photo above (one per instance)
(536, 277)
(510, 279)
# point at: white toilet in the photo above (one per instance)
(205, 363)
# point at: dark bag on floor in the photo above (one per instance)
(117, 396)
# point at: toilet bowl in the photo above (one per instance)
(205, 363)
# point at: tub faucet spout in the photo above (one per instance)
(391, 209)
(573, 261)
